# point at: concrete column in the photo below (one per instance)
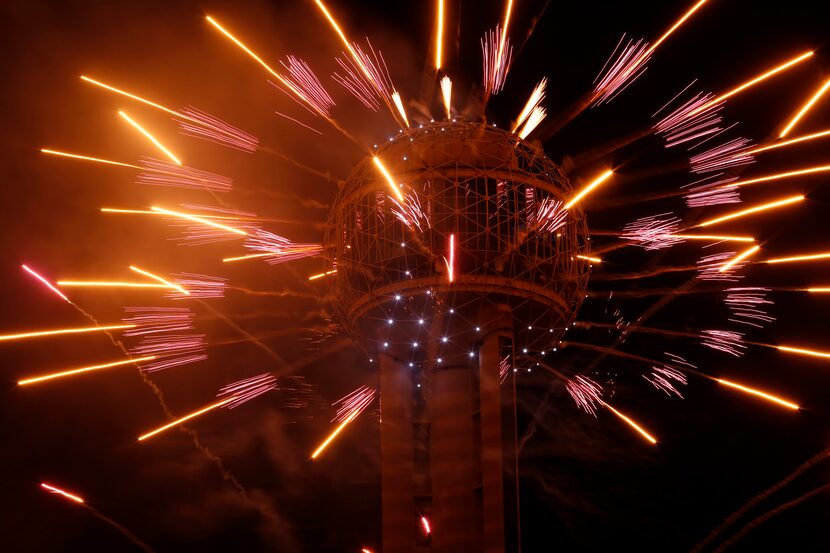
(455, 516)
(396, 452)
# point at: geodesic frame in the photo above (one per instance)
(501, 200)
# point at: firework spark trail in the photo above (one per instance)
(446, 95)
(425, 525)
(162, 173)
(698, 117)
(615, 76)
(796, 140)
(588, 188)
(496, 59)
(212, 128)
(275, 249)
(46, 283)
(630, 422)
(717, 191)
(764, 76)
(247, 389)
(805, 257)
(389, 180)
(161, 280)
(654, 232)
(550, 216)
(778, 176)
(666, 378)
(534, 101)
(504, 368)
(588, 258)
(322, 275)
(809, 104)
(153, 320)
(367, 78)
(199, 220)
(199, 124)
(170, 350)
(197, 286)
(396, 100)
(727, 341)
(349, 408)
(537, 115)
(187, 417)
(741, 257)
(312, 129)
(747, 305)
(586, 393)
(802, 351)
(82, 370)
(61, 331)
(758, 393)
(439, 34)
(751, 210)
(410, 212)
(304, 79)
(752, 503)
(150, 137)
(88, 158)
(729, 155)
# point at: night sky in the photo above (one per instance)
(587, 484)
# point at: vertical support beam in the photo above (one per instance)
(455, 517)
(497, 323)
(396, 453)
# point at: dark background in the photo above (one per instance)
(587, 484)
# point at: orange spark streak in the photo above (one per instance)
(80, 330)
(803, 351)
(72, 372)
(762, 207)
(45, 282)
(819, 289)
(674, 27)
(759, 393)
(533, 101)
(147, 212)
(59, 491)
(267, 254)
(596, 182)
(396, 98)
(87, 158)
(815, 98)
(109, 284)
(159, 279)
(321, 275)
(718, 237)
(150, 137)
(137, 98)
(439, 35)
(632, 424)
(508, 9)
(185, 418)
(752, 82)
(285, 82)
(334, 434)
(196, 219)
(799, 258)
(587, 258)
(395, 188)
(738, 258)
(809, 170)
(787, 142)
(446, 94)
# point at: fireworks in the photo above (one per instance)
(87, 158)
(738, 258)
(586, 393)
(759, 393)
(791, 141)
(200, 220)
(446, 95)
(61, 331)
(198, 124)
(450, 261)
(802, 351)
(654, 232)
(161, 173)
(389, 180)
(247, 389)
(809, 104)
(746, 305)
(55, 490)
(425, 525)
(349, 407)
(496, 58)
(322, 275)
(779, 176)
(666, 378)
(588, 188)
(727, 341)
(630, 422)
(150, 137)
(81, 370)
(751, 210)
(46, 283)
(535, 100)
(439, 34)
(192, 415)
(792, 259)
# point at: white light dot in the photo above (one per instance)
(390, 321)
(386, 344)
(452, 310)
(403, 245)
(472, 354)
(420, 321)
(414, 344)
(478, 329)
(524, 350)
(397, 296)
(418, 385)
(444, 339)
(440, 360)
(530, 327)
(412, 364)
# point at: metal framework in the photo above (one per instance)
(499, 197)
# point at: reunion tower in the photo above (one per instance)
(449, 288)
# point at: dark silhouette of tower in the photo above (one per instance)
(450, 286)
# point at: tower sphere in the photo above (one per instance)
(481, 224)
